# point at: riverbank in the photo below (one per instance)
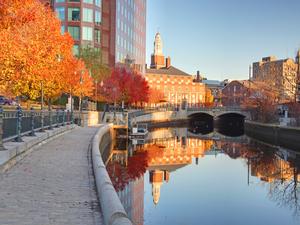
(288, 137)
(112, 208)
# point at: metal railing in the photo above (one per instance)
(14, 124)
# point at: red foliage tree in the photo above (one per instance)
(124, 85)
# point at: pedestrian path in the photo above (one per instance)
(54, 185)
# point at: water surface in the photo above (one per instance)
(181, 177)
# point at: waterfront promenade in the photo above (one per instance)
(52, 185)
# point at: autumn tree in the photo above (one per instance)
(125, 86)
(32, 49)
(156, 96)
(262, 100)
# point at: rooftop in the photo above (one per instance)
(169, 71)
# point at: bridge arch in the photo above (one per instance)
(230, 123)
(201, 122)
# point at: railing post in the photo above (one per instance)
(63, 118)
(19, 124)
(32, 133)
(68, 117)
(72, 117)
(50, 119)
(57, 118)
(1, 130)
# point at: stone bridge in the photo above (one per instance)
(218, 112)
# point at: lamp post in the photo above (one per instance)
(2, 148)
(80, 99)
(96, 92)
(42, 107)
(115, 104)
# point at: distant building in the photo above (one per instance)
(281, 74)
(235, 92)
(175, 85)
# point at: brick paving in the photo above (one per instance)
(52, 185)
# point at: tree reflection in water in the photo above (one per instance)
(278, 169)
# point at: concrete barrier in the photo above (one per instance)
(16, 151)
(274, 134)
(112, 208)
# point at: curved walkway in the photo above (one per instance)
(54, 185)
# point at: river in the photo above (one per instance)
(178, 176)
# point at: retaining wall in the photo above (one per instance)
(165, 116)
(112, 208)
(288, 137)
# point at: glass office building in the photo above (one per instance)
(124, 33)
(82, 19)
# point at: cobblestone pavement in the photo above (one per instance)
(52, 185)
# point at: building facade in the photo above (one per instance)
(174, 85)
(117, 27)
(235, 93)
(124, 33)
(82, 19)
(281, 74)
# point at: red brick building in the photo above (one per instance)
(234, 93)
(174, 85)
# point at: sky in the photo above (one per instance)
(221, 38)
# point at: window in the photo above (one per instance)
(97, 36)
(74, 32)
(74, 0)
(87, 33)
(88, 1)
(75, 50)
(60, 1)
(98, 3)
(98, 18)
(60, 11)
(73, 14)
(87, 15)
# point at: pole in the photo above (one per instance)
(63, 118)
(71, 120)
(50, 115)
(57, 117)
(2, 148)
(32, 133)
(19, 124)
(42, 107)
(80, 108)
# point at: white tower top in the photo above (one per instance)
(158, 45)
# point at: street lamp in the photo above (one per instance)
(42, 106)
(115, 104)
(80, 98)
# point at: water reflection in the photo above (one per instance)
(169, 150)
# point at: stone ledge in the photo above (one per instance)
(112, 208)
(16, 151)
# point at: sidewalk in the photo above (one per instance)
(52, 185)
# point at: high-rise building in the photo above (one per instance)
(82, 19)
(124, 33)
(281, 74)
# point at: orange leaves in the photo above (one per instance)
(33, 51)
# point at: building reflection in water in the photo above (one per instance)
(168, 150)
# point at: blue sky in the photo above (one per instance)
(221, 38)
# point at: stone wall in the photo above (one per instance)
(288, 137)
